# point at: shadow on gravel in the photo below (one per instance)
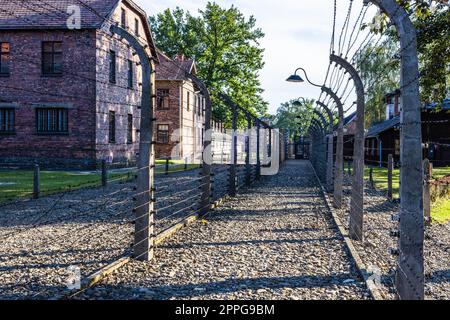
(250, 242)
(183, 291)
(439, 276)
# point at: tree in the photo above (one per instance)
(431, 19)
(295, 117)
(226, 48)
(380, 72)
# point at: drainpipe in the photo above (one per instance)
(380, 148)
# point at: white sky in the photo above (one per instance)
(298, 34)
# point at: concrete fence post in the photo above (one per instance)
(36, 182)
(390, 173)
(104, 173)
(144, 236)
(427, 167)
(372, 185)
(410, 280)
(248, 168)
(232, 182)
(258, 150)
(167, 164)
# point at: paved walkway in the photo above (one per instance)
(275, 241)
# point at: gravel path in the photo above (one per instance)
(374, 250)
(87, 228)
(274, 241)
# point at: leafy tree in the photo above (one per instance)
(379, 70)
(431, 20)
(225, 45)
(295, 117)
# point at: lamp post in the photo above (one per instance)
(338, 169)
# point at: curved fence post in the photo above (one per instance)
(357, 199)
(410, 266)
(144, 237)
(338, 168)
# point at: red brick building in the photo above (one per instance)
(179, 111)
(69, 89)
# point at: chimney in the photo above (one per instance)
(181, 57)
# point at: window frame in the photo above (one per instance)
(130, 121)
(53, 53)
(43, 125)
(123, 18)
(188, 108)
(159, 131)
(112, 67)
(160, 99)
(112, 127)
(136, 27)
(6, 53)
(130, 74)
(4, 123)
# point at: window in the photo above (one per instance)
(188, 101)
(4, 59)
(162, 135)
(136, 27)
(397, 147)
(130, 129)
(112, 66)
(200, 107)
(7, 120)
(52, 58)
(130, 74)
(163, 99)
(52, 120)
(124, 19)
(112, 126)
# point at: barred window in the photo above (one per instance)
(130, 74)
(51, 58)
(112, 66)
(7, 120)
(130, 129)
(136, 27)
(52, 120)
(162, 135)
(123, 19)
(112, 126)
(188, 101)
(163, 99)
(4, 59)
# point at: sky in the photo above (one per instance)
(297, 34)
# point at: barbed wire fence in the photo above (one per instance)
(393, 223)
(105, 215)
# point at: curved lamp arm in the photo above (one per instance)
(306, 76)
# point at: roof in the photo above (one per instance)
(445, 105)
(173, 69)
(350, 118)
(383, 126)
(52, 14)
(347, 120)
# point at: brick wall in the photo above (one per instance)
(28, 88)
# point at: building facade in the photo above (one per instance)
(70, 90)
(180, 110)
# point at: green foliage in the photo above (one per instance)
(380, 73)
(294, 117)
(434, 54)
(379, 65)
(225, 45)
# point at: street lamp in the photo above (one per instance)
(297, 79)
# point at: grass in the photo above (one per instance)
(16, 184)
(440, 211)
